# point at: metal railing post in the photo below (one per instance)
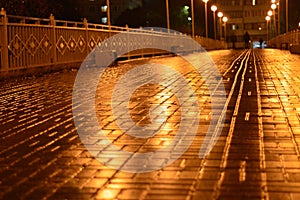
(86, 26)
(53, 39)
(4, 48)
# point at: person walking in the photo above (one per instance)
(233, 40)
(247, 40)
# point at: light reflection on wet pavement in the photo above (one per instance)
(256, 156)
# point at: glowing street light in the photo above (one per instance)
(270, 13)
(206, 24)
(225, 19)
(220, 15)
(214, 9)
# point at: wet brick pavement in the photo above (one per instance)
(256, 156)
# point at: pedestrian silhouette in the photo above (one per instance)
(261, 41)
(233, 40)
(247, 40)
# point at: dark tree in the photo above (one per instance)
(13, 7)
(34, 8)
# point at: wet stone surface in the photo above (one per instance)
(255, 157)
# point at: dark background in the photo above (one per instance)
(152, 13)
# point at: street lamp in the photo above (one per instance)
(168, 15)
(286, 16)
(108, 15)
(270, 13)
(274, 6)
(214, 9)
(220, 15)
(206, 24)
(193, 18)
(225, 19)
(268, 18)
(278, 5)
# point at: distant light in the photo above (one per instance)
(273, 1)
(186, 7)
(268, 18)
(253, 2)
(104, 20)
(259, 28)
(104, 8)
(220, 14)
(270, 13)
(214, 8)
(205, 1)
(273, 6)
(189, 19)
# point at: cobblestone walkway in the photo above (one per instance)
(256, 156)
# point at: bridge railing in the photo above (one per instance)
(27, 42)
(286, 40)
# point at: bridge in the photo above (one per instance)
(246, 124)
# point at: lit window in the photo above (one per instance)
(104, 8)
(104, 20)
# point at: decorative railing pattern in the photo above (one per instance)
(285, 40)
(33, 42)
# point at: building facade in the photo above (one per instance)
(96, 10)
(245, 16)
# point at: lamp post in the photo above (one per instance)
(206, 24)
(286, 16)
(270, 13)
(225, 19)
(274, 6)
(268, 18)
(214, 9)
(108, 12)
(193, 18)
(220, 15)
(108, 16)
(168, 15)
(277, 2)
(278, 5)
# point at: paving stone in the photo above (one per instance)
(42, 156)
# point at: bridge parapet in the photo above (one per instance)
(27, 43)
(288, 41)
